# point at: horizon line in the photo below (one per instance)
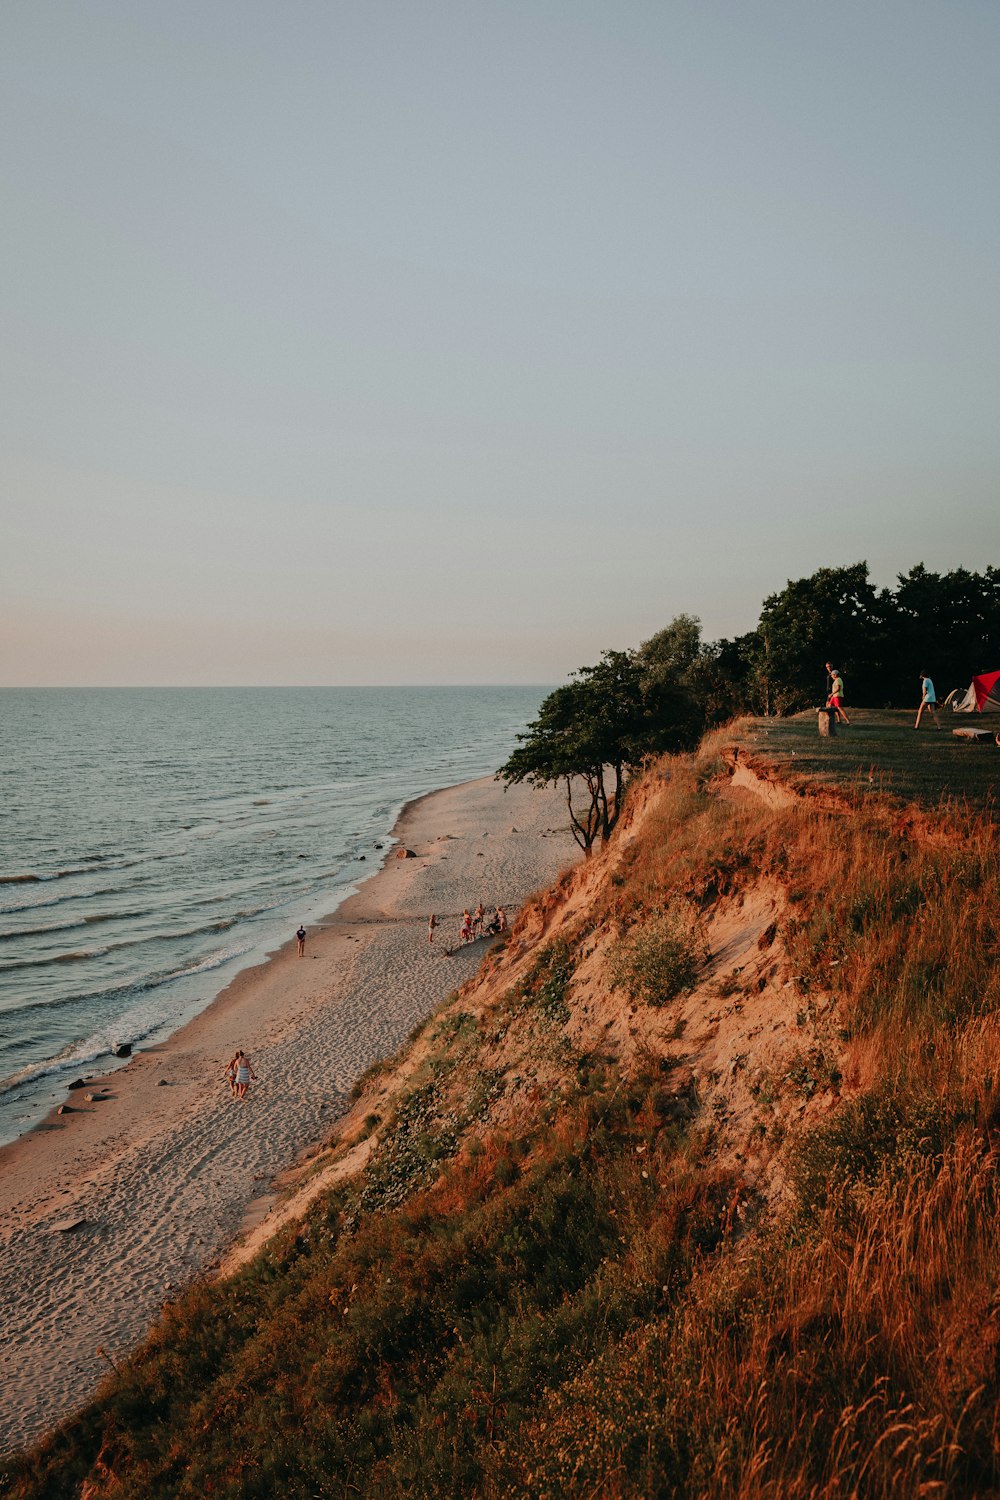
(215, 687)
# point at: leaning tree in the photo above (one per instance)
(592, 732)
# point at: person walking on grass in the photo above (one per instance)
(928, 700)
(835, 700)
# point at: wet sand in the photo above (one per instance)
(106, 1212)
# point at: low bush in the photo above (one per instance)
(878, 1133)
(657, 961)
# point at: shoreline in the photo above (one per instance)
(107, 1211)
(103, 1067)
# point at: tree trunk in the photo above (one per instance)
(610, 817)
(583, 833)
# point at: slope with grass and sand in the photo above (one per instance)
(691, 1189)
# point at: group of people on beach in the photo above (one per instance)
(835, 697)
(475, 924)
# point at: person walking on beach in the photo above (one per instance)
(244, 1073)
(300, 938)
(432, 922)
(501, 919)
(928, 699)
(231, 1077)
(477, 921)
(466, 926)
(835, 699)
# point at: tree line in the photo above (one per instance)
(596, 729)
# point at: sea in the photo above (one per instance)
(155, 841)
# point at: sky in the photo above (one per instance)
(457, 342)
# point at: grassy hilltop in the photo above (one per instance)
(692, 1191)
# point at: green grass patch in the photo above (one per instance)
(881, 754)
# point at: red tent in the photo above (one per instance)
(981, 697)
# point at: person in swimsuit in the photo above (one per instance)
(244, 1073)
(501, 919)
(432, 922)
(477, 921)
(466, 927)
(300, 938)
(231, 1077)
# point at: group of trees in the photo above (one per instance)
(598, 728)
(947, 624)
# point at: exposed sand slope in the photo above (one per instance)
(744, 1052)
(166, 1168)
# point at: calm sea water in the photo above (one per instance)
(155, 841)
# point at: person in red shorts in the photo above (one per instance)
(835, 700)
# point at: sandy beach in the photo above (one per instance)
(107, 1211)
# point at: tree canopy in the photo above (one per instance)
(947, 624)
(596, 729)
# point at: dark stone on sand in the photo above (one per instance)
(402, 853)
(94, 1098)
(162, 1084)
(124, 1049)
(78, 1083)
(65, 1109)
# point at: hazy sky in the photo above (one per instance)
(428, 342)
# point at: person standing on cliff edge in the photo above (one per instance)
(835, 700)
